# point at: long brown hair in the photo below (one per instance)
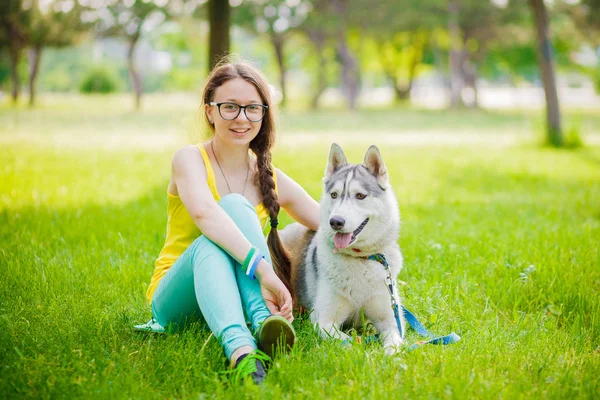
(261, 146)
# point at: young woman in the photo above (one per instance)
(215, 263)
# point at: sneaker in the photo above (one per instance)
(150, 326)
(274, 333)
(249, 365)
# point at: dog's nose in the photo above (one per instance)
(337, 223)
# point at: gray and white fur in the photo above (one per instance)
(330, 273)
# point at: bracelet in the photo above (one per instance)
(255, 263)
(248, 260)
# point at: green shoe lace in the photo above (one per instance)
(249, 365)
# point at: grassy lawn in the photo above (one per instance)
(501, 245)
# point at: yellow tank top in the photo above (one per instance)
(181, 229)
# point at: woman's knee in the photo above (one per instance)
(234, 203)
(238, 208)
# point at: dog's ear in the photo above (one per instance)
(337, 160)
(374, 163)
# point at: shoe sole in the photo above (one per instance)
(276, 334)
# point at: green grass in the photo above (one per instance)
(501, 246)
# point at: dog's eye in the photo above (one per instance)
(334, 195)
(361, 196)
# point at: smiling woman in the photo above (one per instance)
(215, 249)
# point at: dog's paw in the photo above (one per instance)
(333, 332)
(391, 350)
(392, 344)
(342, 336)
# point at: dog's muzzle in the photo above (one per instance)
(342, 240)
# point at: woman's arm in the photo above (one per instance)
(296, 202)
(189, 175)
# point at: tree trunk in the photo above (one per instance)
(278, 41)
(470, 77)
(350, 81)
(136, 80)
(456, 76)
(219, 20)
(390, 70)
(35, 55)
(404, 93)
(15, 56)
(399, 93)
(544, 55)
(349, 73)
(318, 39)
(16, 42)
(440, 65)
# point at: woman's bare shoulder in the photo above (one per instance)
(186, 152)
(186, 166)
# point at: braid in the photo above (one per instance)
(266, 183)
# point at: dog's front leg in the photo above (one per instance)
(379, 310)
(330, 312)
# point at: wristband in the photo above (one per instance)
(254, 265)
(248, 260)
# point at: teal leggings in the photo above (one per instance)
(206, 282)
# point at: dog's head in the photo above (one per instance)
(358, 208)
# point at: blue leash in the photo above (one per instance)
(408, 316)
(420, 329)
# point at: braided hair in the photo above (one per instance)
(261, 146)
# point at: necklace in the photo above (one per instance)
(222, 173)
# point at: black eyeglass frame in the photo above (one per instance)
(240, 108)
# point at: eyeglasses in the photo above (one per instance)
(229, 111)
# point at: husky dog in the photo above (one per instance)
(330, 271)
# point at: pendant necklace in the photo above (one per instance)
(222, 173)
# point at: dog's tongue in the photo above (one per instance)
(342, 240)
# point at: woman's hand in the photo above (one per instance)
(276, 295)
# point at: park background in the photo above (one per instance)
(487, 114)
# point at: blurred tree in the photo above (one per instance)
(4, 67)
(219, 19)
(130, 19)
(553, 126)
(455, 54)
(460, 29)
(587, 15)
(320, 30)
(348, 60)
(15, 18)
(401, 56)
(403, 32)
(276, 20)
(55, 23)
(472, 26)
(185, 40)
(511, 58)
(328, 26)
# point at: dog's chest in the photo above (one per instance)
(356, 279)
